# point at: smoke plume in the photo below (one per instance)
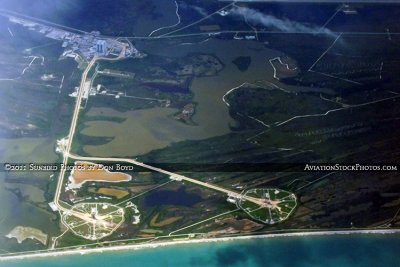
(257, 18)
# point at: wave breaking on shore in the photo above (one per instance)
(82, 251)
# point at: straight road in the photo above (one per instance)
(74, 121)
(72, 132)
(175, 176)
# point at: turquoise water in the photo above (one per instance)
(361, 250)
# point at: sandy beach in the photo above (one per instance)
(80, 250)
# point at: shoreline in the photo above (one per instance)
(83, 251)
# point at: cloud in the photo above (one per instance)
(256, 17)
(200, 10)
(40, 8)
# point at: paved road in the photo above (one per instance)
(174, 176)
(74, 121)
(72, 131)
(68, 155)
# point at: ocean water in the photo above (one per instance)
(358, 250)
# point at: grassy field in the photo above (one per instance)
(111, 192)
(164, 222)
(280, 205)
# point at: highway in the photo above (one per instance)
(172, 175)
(71, 133)
(74, 122)
(175, 176)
